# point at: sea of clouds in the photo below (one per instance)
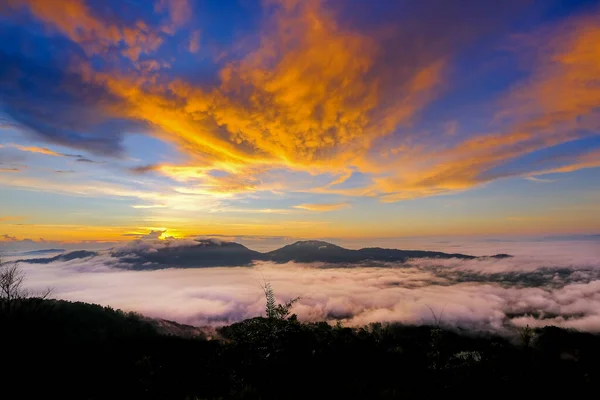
(547, 282)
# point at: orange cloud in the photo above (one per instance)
(313, 97)
(323, 206)
(320, 97)
(74, 19)
(39, 150)
(588, 160)
(317, 94)
(255, 210)
(199, 179)
(558, 104)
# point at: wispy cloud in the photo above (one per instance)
(322, 206)
(48, 152)
(194, 43)
(179, 12)
(541, 180)
(87, 160)
(254, 210)
(163, 196)
(584, 161)
(10, 218)
(527, 218)
(39, 150)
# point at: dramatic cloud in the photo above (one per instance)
(312, 99)
(227, 118)
(538, 118)
(319, 95)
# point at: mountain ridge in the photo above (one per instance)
(215, 253)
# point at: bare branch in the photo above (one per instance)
(437, 319)
(12, 279)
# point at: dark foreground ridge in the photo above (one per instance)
(212, 253)
(63, 350)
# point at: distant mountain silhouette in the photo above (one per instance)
(43, 251)
(62, 257)
(318, 251)
(501, 255)
(214, 253)
(207, 253)
(310, 251)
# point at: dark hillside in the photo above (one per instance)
(58, 349)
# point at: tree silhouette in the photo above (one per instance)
(12, 290)
(273, 310)
(11, 283)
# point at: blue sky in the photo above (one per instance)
(304, 119)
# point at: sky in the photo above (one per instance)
(310, 119)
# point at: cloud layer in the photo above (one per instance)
(316, 90)
(487, 294)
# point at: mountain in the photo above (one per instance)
(207, 253)
(499, 256)
(62, 257)
(43, 251)
(214, 253)
(311, 251)
(318, 251)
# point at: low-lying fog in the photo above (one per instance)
(547, 282)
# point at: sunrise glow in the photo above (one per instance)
(297, 118)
